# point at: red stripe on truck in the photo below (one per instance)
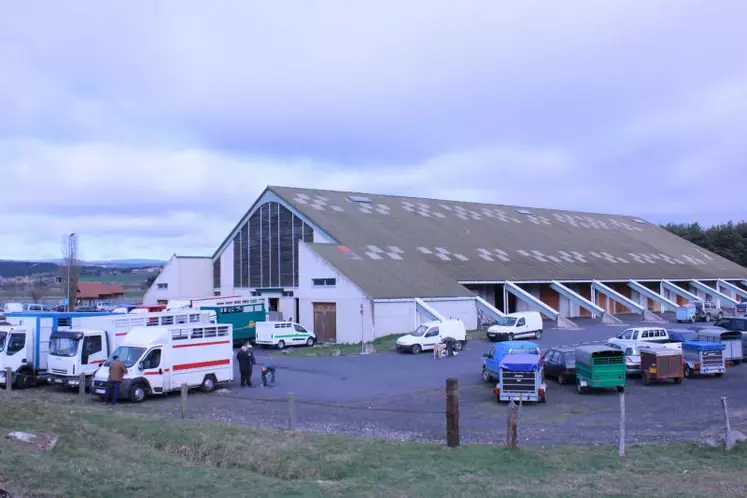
(201, 344)
(202, 364)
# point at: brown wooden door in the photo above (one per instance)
(325, 322)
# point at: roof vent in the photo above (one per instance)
(638, 220)
(525, 211)
(359, 199)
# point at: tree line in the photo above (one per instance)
(728, 240)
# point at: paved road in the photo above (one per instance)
(411, 390)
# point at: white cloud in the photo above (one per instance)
(149, 128)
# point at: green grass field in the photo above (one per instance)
(114, 452)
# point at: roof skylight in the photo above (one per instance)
(359, 199)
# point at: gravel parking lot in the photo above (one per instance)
(402, 396)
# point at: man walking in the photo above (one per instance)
(245, 359)
(117, 372)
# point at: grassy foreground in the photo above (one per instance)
(110, 452)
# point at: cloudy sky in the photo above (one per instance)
(150, 127)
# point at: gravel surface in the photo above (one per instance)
(401, 396)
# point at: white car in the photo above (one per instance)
(282, 334)
(632, 354)
(428, 334)
(516, 326)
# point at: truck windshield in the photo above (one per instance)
(420, 331)
(63, 346)
(3, 335)
(128, 355)
(506, 321)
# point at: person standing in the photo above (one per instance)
(117, 372)
(245, 366)
(252, 361)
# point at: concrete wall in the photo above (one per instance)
(185, 278)
(347, 297)
(464, 309)
(394, 317)
(226, 271)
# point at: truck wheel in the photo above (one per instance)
(580, 389)
(416, 349)
(538, 334)
(510, 337)
(692, 320)
(486, 375)
(137, 393)
(646, 379)
(459, 345)
(708, 317)
(688, 372)
(720, 316)
(561, 379)
(208, 384)
(678, 380)
(310, 341)
(281, 345)
(621, 389)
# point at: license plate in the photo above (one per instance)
(99, 391)
(59, 381)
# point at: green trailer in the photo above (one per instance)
(243, 317)
(599, 367)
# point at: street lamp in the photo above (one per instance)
(71, 256)
(26, 273)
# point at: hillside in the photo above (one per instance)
(12, 269)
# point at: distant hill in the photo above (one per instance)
(10, 269)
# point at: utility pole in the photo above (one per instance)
(71, 254)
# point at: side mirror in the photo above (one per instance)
(141, 366)
(486, 355)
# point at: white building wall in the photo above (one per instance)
(184, 277)
(464, 309)
(347, 297)
(226, 271)
(394, 317)
(287, 306)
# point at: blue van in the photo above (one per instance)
(491, 362)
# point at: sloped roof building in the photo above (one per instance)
(377, 264)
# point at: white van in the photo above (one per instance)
(517, 325)
(428, 334)
(282, 334)
(160, 359)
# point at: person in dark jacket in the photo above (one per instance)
(245, 359)
(268, 371)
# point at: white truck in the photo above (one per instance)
(26, 349)
(282, 334)
(522, 324)
(86, 345)
(428, 334)
(160, 359)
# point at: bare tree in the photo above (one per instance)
(36, 289)
(70, 270)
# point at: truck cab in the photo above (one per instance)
(72, 352)
(491, 362)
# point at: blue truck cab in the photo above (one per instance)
(491, 362)
(27, 343)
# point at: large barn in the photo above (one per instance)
(357, 266)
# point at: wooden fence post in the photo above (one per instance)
(8, 378)
(291, 411)
(728, 442)
(452, 413)
(185, 390)
(512, 429)
(82, 387)
(621, 447)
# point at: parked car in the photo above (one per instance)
(86, 309)
(428, 334)
(516, 325)
(632, 354)
(682, 335)
(560, 363)
(645, 334)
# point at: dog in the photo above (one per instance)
(438, 350)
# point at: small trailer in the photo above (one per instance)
(731, 339)
(703, 358)
(521, 378)
(661, 363)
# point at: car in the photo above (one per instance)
(632, 354)
(645, 334)
(86, 309)
(523, 324)
(560, 363)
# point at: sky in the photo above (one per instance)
(149, 128)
